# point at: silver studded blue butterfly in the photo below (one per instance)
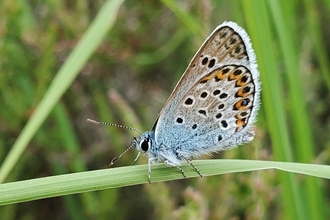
(213, 106)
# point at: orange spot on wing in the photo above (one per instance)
(220, 75)
(241, 93)
(239, 105)
(243, 80)
(240, 122)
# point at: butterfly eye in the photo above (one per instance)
(145, 144)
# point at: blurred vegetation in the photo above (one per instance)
(127, 81)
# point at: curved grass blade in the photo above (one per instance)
(63, 79)
(67, 184)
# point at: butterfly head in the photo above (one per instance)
(144, 143)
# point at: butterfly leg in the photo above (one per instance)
(191, 164)
(150, 161)
(169, 163)
(137, 157)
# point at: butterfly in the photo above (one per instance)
(213, 106)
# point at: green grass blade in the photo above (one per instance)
(60, 185)
(258, 21)
(164, 51)
(186, 18)
(315, 30)
(300, 122)
(63, 79)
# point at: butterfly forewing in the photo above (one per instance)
(215, 99)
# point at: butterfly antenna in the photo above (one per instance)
(115, 125)
(115, 159)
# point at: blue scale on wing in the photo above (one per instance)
(202, 116)
(209, 120)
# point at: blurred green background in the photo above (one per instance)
(127, 81)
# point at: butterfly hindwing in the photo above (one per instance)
(216, 99)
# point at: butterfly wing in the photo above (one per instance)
(217, 98)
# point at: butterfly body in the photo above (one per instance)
(213, 106)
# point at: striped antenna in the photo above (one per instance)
(115, 125)
(115, 159)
